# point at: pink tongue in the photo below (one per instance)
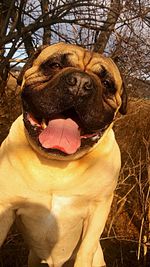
(61, 134)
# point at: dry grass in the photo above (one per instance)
(128, 222)
(10, 107)
(126, 240)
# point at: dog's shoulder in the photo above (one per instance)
(15, 146)
(16, 135)
(17, 130)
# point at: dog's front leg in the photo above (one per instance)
(90, 253)
(7, 217)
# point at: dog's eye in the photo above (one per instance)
(109, 86)
(50, 66)
(107, 83)
(54, 65)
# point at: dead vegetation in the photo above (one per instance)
(126, 240)
(128, 225)
(10, 107)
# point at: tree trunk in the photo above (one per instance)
(47, 29)
(108, 26)
(5, 11)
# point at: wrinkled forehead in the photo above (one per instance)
(80, 58)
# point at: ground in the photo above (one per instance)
(125, 240)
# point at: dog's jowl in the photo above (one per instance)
(60, 162)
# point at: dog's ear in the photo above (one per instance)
(124, 98)
(29, 63)
(123, 107)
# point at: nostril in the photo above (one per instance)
(88, 85)
(71, 80)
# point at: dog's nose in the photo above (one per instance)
(79, 83)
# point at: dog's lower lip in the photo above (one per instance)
(89, 135)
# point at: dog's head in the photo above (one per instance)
(70, 97)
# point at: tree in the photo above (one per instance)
(108, 26)
(117, 28)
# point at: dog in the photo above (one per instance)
(60, 163)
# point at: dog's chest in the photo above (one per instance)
(53, 224)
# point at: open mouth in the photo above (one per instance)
(61, 133)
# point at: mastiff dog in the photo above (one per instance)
(60, 163)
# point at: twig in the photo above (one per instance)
(140, 239)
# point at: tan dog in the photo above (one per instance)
(60, 162)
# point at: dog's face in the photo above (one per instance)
(70, 97)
